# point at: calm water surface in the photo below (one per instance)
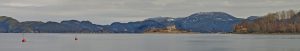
(149, 42)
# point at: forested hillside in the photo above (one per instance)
(279, 22)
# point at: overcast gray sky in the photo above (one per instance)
(108, 11)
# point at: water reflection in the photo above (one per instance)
(129, 42)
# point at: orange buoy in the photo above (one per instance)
(23, 40)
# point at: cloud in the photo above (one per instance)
(21, 5)
(28, 3)
(227, 4)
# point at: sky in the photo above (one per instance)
(108, 11)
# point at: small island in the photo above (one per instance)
(169, 29)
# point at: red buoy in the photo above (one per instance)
(76, 38)
(23, 40)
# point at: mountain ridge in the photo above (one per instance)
(203, 22)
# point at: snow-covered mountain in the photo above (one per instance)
(203, 22)
(208, 22)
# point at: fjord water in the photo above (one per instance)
(149, 42)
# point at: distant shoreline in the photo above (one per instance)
(170, 33)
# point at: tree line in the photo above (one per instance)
(279, 22)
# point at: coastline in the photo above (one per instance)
(170, 33)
